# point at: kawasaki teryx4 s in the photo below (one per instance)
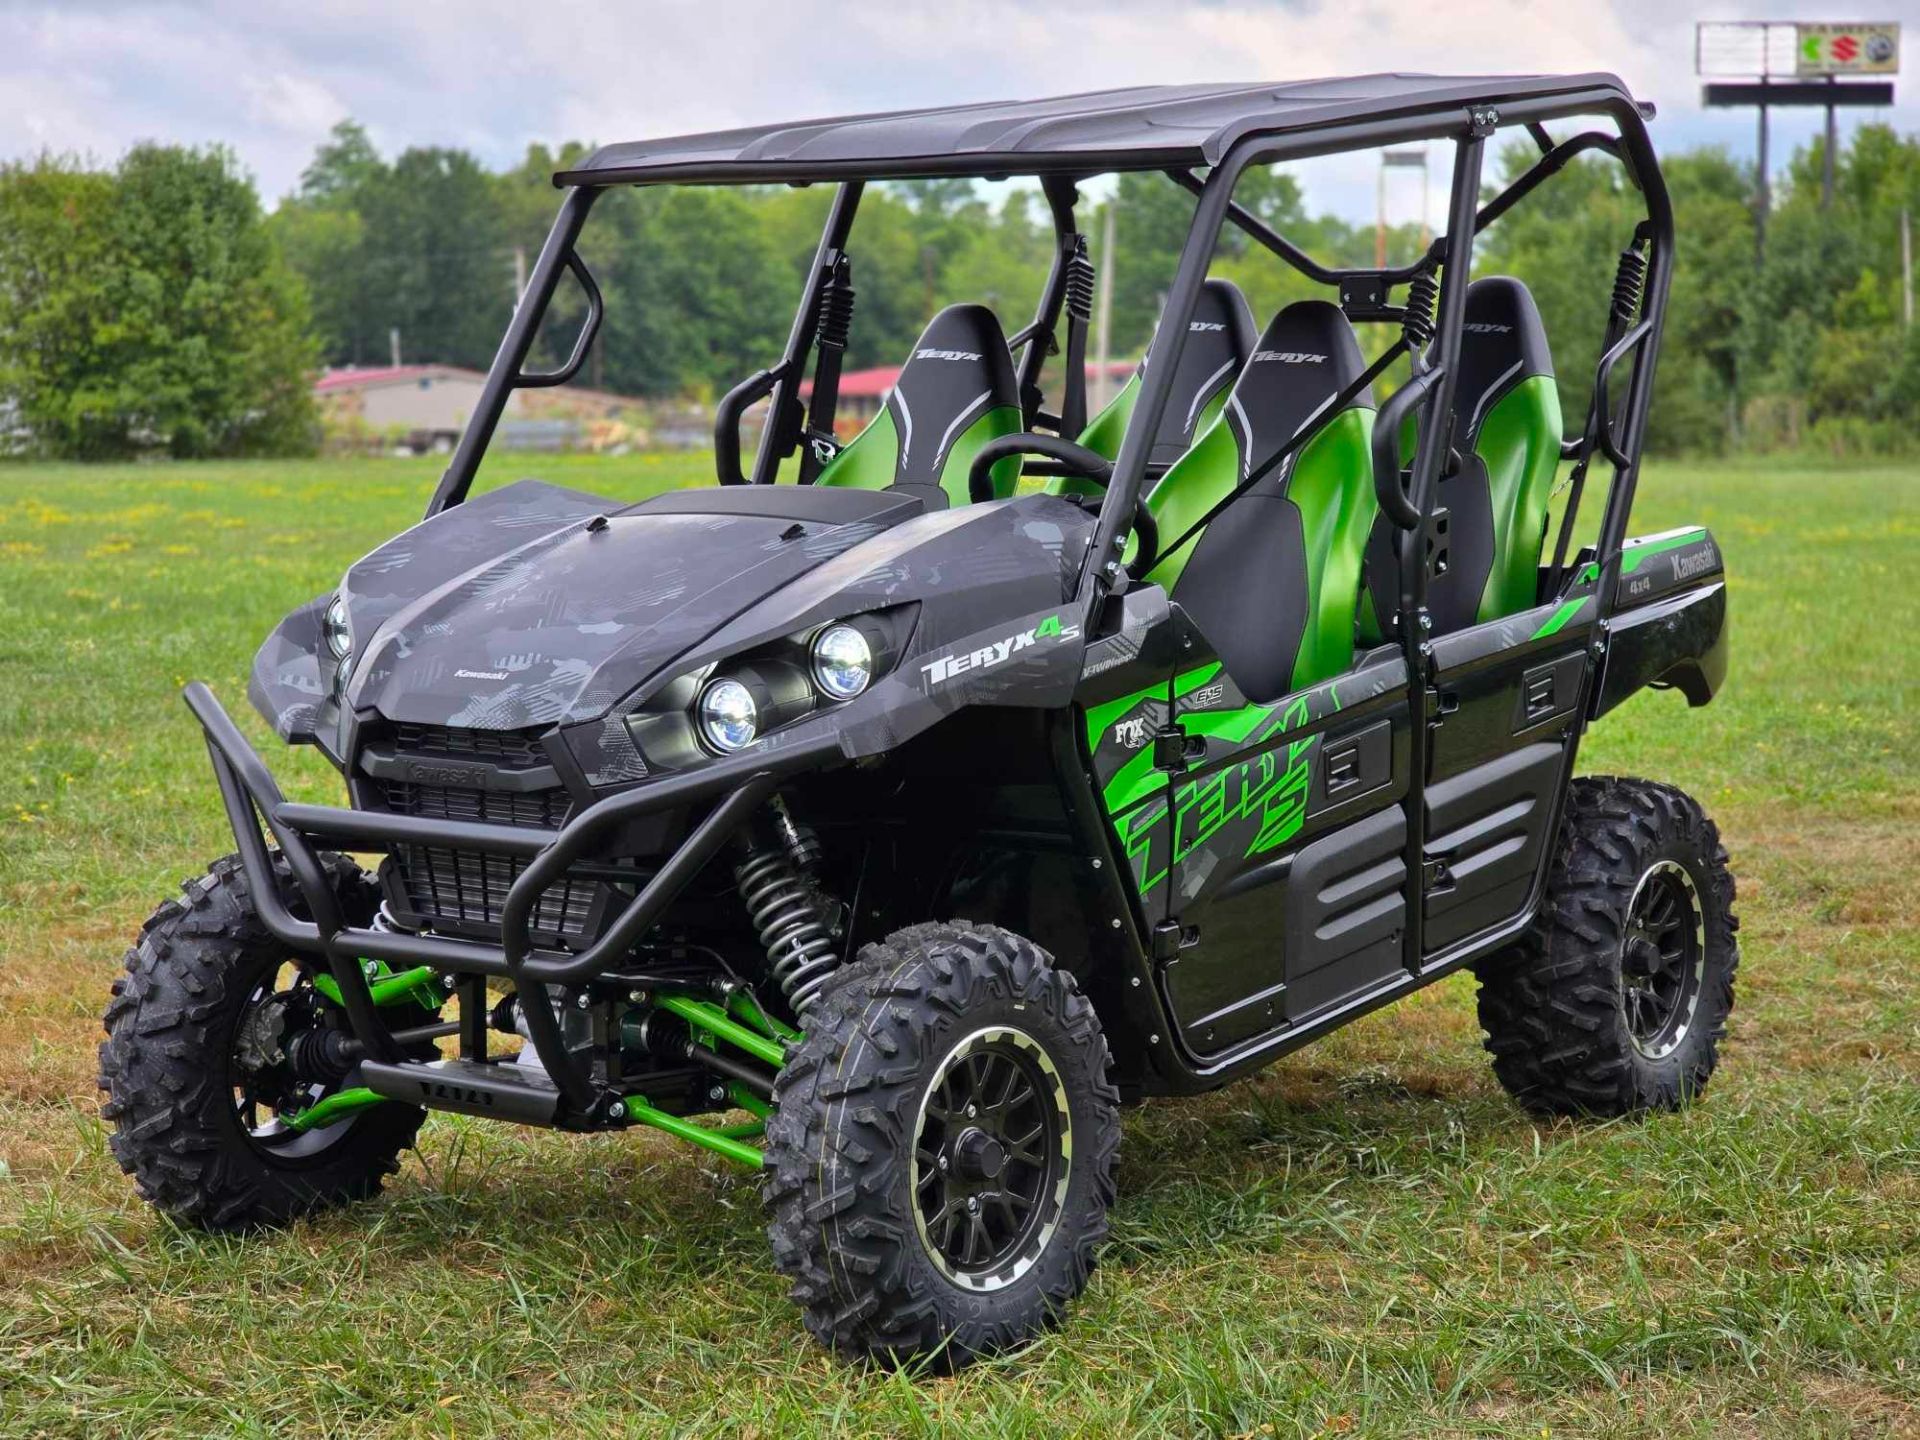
(883, 824)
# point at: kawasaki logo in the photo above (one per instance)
(479, 674)
(996, 652)
(1289, 357)
(946, 355)
(1685, 567)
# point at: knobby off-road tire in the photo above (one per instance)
(168, 1065)
(886, 1256)
(1618, 997)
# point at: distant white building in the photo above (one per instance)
(425, 407)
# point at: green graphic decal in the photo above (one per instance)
(1557, 621)
(1270, 787)
(1136, 839)
(1632, 556)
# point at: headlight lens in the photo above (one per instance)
(729, 720)
(842, 662)
(339, 637)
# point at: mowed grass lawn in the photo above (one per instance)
(1368, 1239)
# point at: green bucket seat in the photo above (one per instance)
(956, 392)
(1220, 337)
(1507, 429)
(1272, 581)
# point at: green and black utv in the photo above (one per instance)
(886, 818)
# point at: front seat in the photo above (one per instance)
(956, 392)
(1272, 580)
(1220, 337)
(1506, 410)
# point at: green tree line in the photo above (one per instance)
(156, 306)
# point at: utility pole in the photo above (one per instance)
(393, 344)
(1380, 219)
(1906, 267)
(1103, 309)
(1763, 196)
(1402, 160)
(519, 274)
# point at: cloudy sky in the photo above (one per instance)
(269, 78)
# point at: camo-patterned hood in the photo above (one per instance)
(534, 605)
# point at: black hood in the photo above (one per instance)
(533, 605)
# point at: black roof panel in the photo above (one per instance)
(1145, 127)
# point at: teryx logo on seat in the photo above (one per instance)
(1289, 357)
(996, 652)
(945, 355)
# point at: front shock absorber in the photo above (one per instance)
(786, 908)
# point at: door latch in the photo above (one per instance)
(1175, 749)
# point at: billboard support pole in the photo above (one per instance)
(1826, 171)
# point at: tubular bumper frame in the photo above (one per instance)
(737, 786)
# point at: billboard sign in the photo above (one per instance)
(1758, 47)
(1847, 50)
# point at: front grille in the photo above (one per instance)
(463, 887)
(499, 807)
(512, 749)
(449, 888)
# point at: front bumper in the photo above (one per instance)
(737, 787)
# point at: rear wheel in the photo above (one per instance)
(1617, 999)
(940, 1159)
(216, 1040)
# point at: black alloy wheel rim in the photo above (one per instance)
(1662, 960)
(992, 1154)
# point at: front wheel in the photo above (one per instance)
(1617, 999)
(217, 1042)
(940, 1158)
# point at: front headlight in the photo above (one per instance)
(339, 637)
(729, 719)
(842, 662)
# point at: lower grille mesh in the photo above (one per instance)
(467, 888)
(449, 887)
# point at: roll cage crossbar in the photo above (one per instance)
(725, 791)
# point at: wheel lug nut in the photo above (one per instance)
(972, 1110)
(943, 1162)
(973, 1204)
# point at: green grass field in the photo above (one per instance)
(1369, 1239)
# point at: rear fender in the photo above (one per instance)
(1671, 628)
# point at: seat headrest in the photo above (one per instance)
(1220, 337)
(959, 370)
(1502, 343)
(1306, 356)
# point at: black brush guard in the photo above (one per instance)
(738, 786)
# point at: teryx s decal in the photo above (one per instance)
(996, 652)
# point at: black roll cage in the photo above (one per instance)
(1363, 294)
(736, 787)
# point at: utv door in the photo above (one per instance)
(1503, 717)
(1288, 835)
